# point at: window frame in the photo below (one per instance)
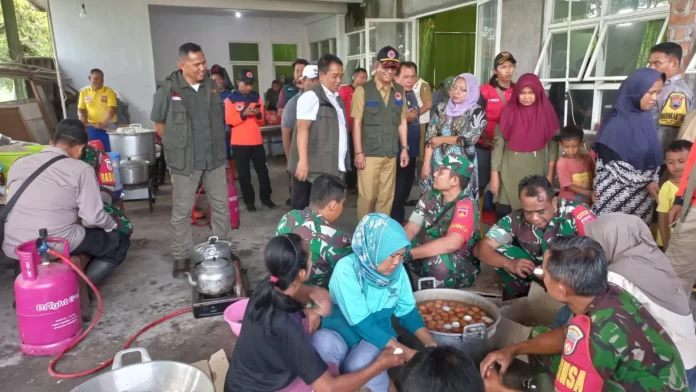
(332, 47)
(569, 32)
(282, 63)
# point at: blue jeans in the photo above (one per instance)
(691, 378)
(99, 134)
(333, 350)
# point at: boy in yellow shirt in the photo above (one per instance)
(675, 159)
(97, 108)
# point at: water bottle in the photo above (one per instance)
(116, 164)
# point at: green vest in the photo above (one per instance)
(290, 91)
(324, 137)
(177, 139)
(380, 123)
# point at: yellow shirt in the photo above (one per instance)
(668, 192)
(97, 104)
(358, 104)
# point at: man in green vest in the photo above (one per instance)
(291, 89)
(322, 132)
(379, 134)
(187, 112)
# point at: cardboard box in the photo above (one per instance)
(215, 368)
(520, 315)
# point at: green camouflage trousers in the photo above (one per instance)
(514, 285)
(451, 270)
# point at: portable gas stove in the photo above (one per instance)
(208, 305)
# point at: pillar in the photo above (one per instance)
(680, 27)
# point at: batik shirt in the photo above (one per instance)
(327, 244)
(629, 348)
(569, 220)
(440, 218)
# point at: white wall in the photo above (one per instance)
(114, 37)
(214, 32)
(329, 27)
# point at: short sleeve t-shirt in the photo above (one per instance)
(578, 172)
(668, 192)
(264, 362)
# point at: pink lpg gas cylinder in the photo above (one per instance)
(48, 301)
(232, 201)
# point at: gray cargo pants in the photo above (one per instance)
(184, 189)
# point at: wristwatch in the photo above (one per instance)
(404, 148)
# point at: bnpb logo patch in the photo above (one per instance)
(397, 96)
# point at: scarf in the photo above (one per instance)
(473, 92)
(528, 128)
(377, 237)
(633, 254)
(629, 131)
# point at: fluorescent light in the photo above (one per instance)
(238, 14)
(83, 11)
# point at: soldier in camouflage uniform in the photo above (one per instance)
(516, 244)
(450, 219)
(103, 167)
(327, 243)
(612, 344)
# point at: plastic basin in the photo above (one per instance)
(234, 314)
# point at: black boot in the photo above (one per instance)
(97, 270)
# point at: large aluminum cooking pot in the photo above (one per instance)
(476, 338)
(134, 171)
(134, 142)
(148, 376)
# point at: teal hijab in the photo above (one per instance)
(376, 238)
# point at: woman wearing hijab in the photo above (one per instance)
(523, 144)
(638, 266)
(368, 288)
(629, 154)
(454, 129)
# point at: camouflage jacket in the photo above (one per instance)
(570, 219)
(439, 217)
(629, 348)
(327, 244)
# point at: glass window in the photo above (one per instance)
(554, 66)
(395, 34)
(350, 67)
(284, 73)
(284, 52)
(237, 68)
(240, 51)
(485, 36)
(626, 47)
(324, 47)
(608, 100)
(626, 6)
(580, 108)
(354, 47)
(580, 9)
(314, 51)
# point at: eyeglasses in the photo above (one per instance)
(455, 89)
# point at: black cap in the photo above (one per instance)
(388, 56)
(503, 57)
(246, 76)
(71, 129)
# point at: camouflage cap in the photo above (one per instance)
(458, 164)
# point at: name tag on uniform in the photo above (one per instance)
(493, 99)
(371, 103)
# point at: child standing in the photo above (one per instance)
(575, 168)
(675, 159)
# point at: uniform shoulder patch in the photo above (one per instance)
(573, 337)
(582, 216)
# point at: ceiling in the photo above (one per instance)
(161, 9)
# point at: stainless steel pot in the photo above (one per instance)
(214, 277)
(147, 376)
(134, 171)
(476, 338)
(213, 248)
(134, 142)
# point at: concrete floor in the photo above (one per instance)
(142, 290)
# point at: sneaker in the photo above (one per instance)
(269, 204)
(250, 207)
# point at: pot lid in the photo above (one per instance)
(133, 163)
(212, 248)
(133, 130)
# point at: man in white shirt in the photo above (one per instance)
(321, 132)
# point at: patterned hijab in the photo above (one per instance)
(473, 92)
(377, 237)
